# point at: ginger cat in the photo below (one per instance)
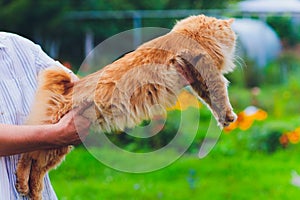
(196, 52)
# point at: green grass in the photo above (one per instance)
(240, 175)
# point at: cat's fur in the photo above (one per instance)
(198, 51)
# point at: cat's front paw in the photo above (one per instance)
(230, 117)
(227, 118)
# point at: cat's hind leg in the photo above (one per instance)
(23, 173)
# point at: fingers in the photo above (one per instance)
(74, 127)
(82, 124)
(80, 109)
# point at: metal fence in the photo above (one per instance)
(137, 17)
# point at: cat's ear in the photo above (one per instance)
(230, 21)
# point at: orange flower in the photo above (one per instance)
(294, 137)
(232, 126)
(246, 124)
(260, 115)
(255, 113)
(247, 117)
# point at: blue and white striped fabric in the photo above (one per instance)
(20, 62)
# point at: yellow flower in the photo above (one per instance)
(184, 101)
(297, 130)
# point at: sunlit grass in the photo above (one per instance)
(241, 175)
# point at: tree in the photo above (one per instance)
(45, 21)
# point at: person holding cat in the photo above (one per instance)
(20, 62)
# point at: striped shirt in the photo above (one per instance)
(20, 62)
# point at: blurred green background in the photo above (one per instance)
(256, 158)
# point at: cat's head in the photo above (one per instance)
(207, 52)
(214, 34)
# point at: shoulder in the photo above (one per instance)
(4, 35)
(9, 39)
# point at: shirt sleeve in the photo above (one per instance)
(41, 59)
(44, 61)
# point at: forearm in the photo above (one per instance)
(18, 139)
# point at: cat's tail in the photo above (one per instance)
(53, 96)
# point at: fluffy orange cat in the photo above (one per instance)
(197, 52)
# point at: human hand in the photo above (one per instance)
(73, 128)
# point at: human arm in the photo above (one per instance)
(71, 129)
